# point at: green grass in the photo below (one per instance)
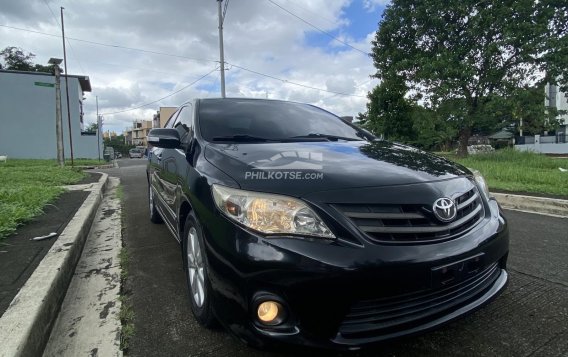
(126, 316)
(124, 260)
(120, 193)
(26, 186)
(511, 170)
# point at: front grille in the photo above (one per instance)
(377, 317)
(407, 223)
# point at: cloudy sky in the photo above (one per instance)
(136, 52)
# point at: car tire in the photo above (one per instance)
(154, 214)
(196, 271)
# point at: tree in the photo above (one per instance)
(117, 142)
(389, 112)
(470, 52)
(433, 129)
(92, 128)
(16, 59)
(525, 106)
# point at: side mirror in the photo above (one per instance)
(166, 138)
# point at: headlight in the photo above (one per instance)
(481, 184)
(269, 214)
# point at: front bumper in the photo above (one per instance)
(345, 296)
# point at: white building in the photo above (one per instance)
(558, 100)
(27, 116)
(553, 144)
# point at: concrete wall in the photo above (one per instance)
(27, 118)
(544, 148)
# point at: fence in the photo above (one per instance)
(526, 140)
(545, 144)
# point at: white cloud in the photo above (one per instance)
(372, 5)
(258, 36)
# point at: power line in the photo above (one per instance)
(225, 11)
(327, 19)
(356, 87)
(167, 96)
(112, 46)
(294, 83)
(189, 58)
(317, 28)
(69, 43)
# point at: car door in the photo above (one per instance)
(175, 164)
(158, 180)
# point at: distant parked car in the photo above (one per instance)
(132, 153)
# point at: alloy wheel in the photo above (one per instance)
(195, 267)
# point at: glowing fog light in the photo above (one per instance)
(270, 312)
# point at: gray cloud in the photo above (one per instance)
(258, 36)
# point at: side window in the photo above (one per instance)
(184, 122)
(172, 119)
(185, 118)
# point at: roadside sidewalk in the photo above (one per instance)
(88, 323)
(26, 323)
(533, 204)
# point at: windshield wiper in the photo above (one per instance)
(240, 138)
(326, 136)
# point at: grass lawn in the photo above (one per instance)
(26, 186)
(511, 170)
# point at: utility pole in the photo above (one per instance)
(58, 119)
(98, 128)
(67, 86)
(221, 53)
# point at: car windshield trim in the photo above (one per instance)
(326, 136)
(241, 138)
(250, 138)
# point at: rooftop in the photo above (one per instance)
(84, 81)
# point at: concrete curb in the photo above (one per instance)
(95, 167)
(552, 206)
(25, 326)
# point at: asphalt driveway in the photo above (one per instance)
(529, 319)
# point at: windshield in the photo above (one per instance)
(223, 119)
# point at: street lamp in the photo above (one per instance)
(58, 119)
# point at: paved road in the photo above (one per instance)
(529, 319)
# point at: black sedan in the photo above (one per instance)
(298, 227)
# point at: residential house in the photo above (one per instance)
(137, 135)
(161, 117)
(107, 135)
(28, 116)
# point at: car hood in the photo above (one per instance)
(299, 168)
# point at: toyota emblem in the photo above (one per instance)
(445, 209)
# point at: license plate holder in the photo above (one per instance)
(455, 272)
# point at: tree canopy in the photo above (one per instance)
(16, 59)
(459, 56)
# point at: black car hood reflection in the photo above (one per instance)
(298, 168)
